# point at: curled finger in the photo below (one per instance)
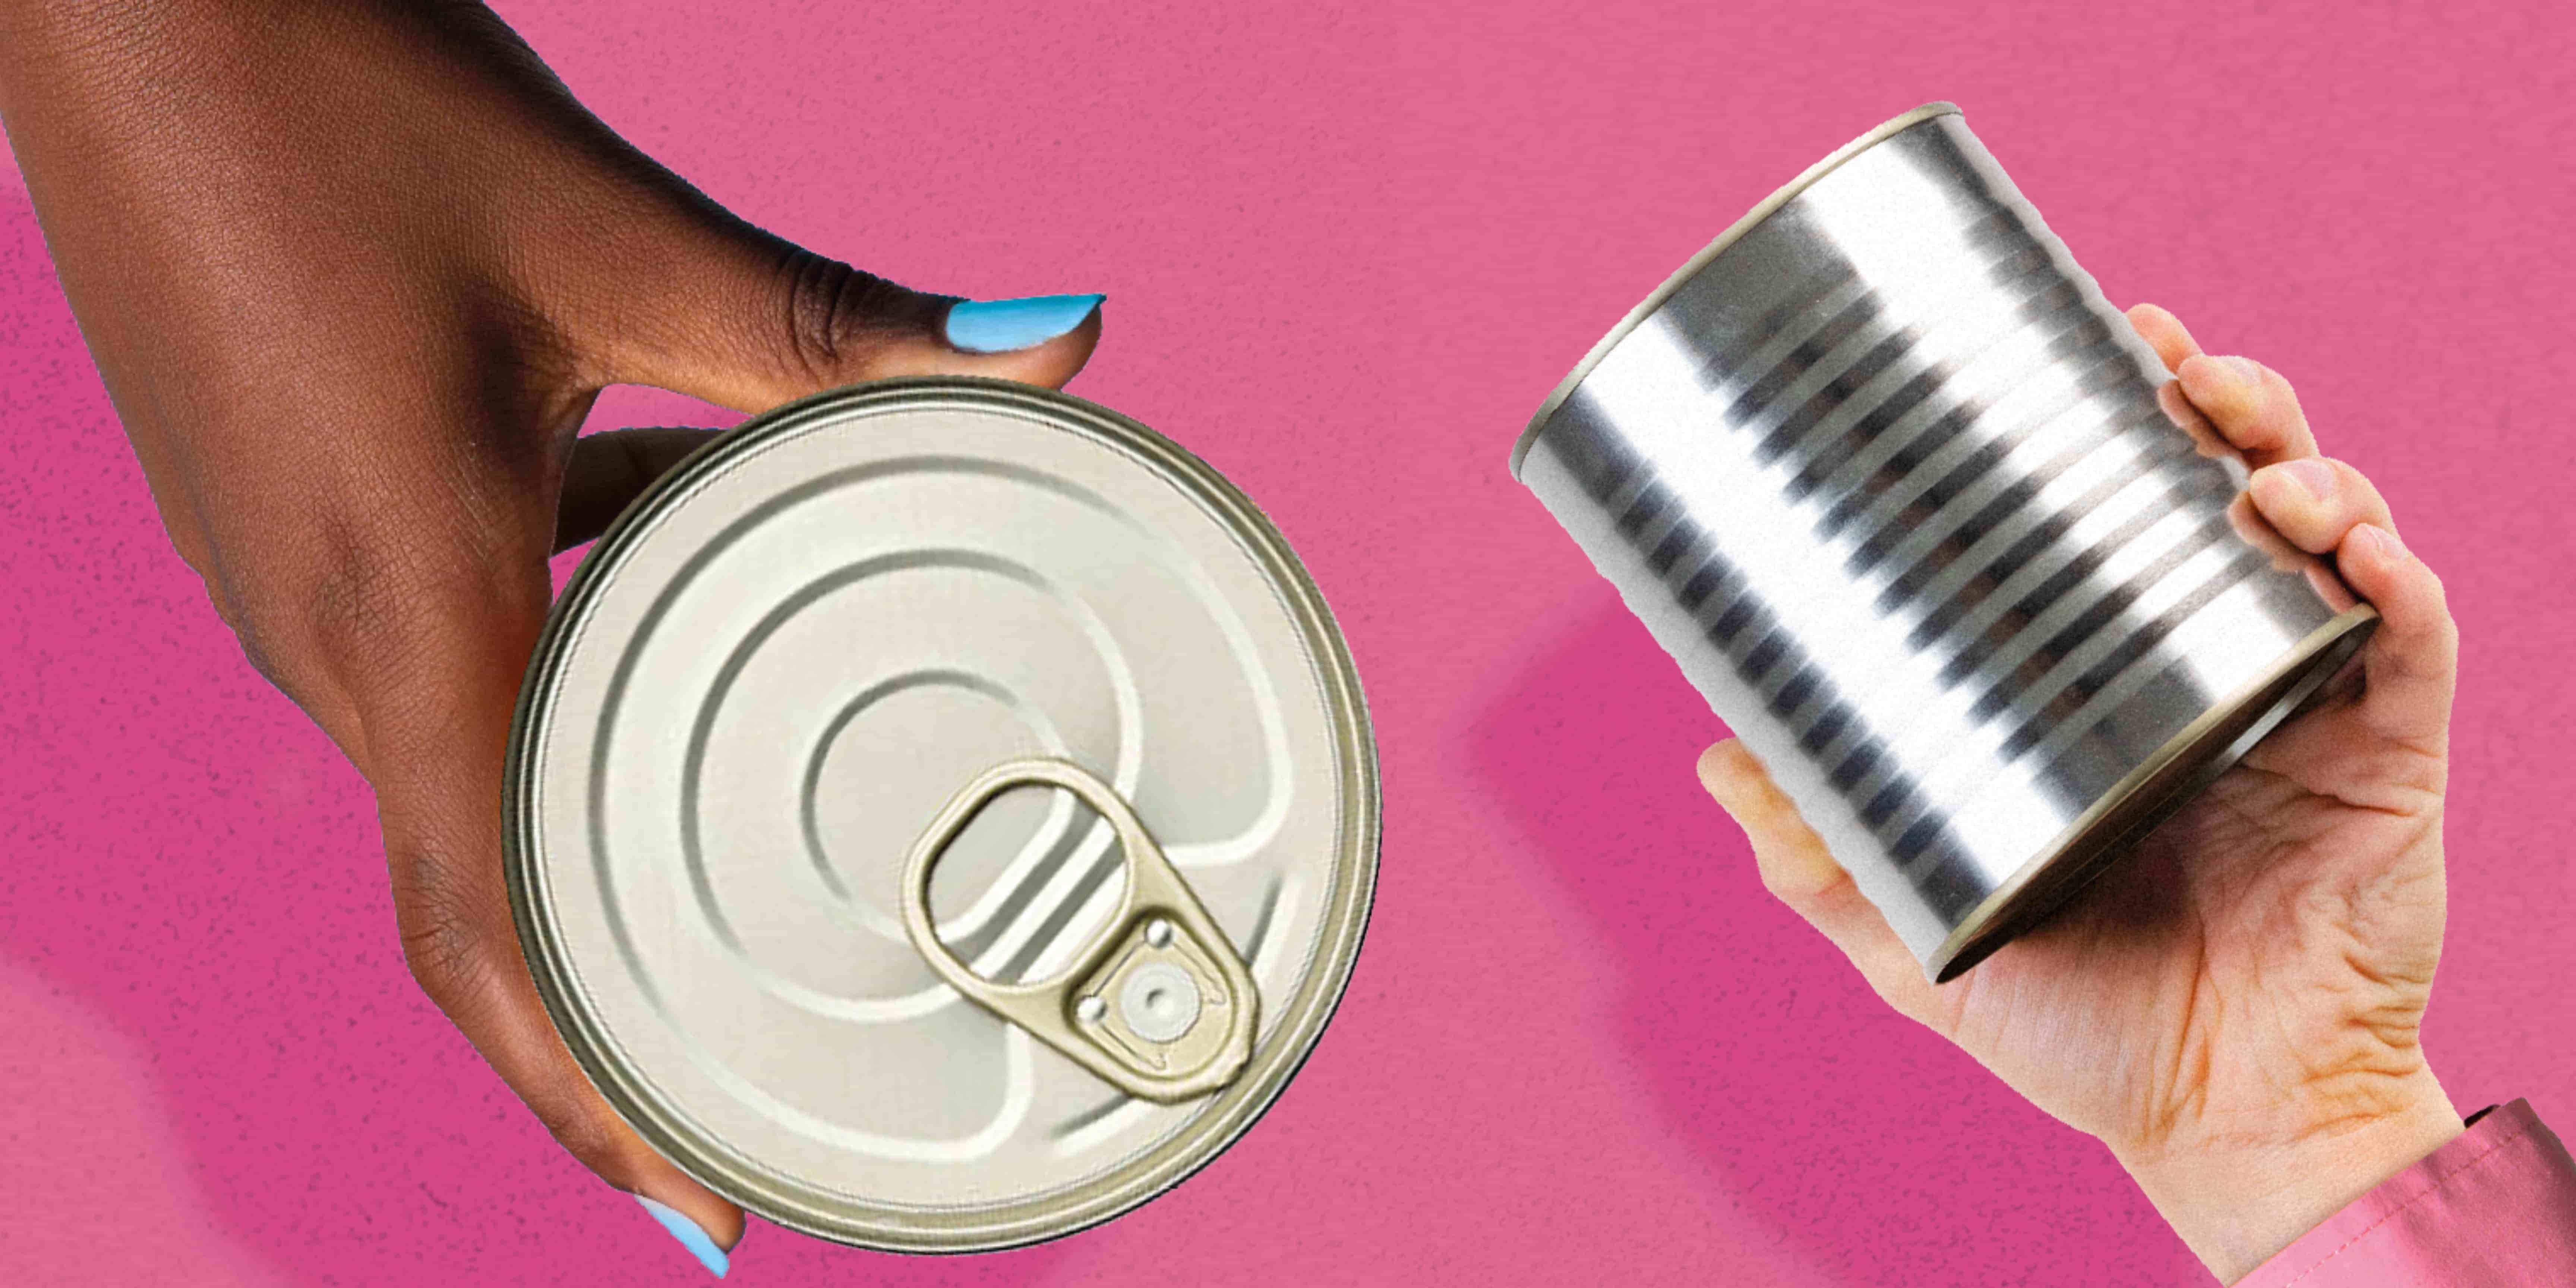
(609, 470)
(2250, 405)
(436, 727)
(2314, 500)
(2411, 663)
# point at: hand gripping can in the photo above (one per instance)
(1899, 489)
(941, 815)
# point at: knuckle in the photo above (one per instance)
(2353, 483)
(581, 1132)
(357, 609)
(1778, 884)
(457, 951)
(245, 626)
(1794, 883)
(834, 317)
(340, 611)
(2437, 595)
(261, 661)
(246, 632)
(1897, 985)
(448, 942)
(353, 617)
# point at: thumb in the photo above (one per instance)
(745, 320)
(1799, 871)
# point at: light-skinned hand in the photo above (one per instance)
(2234, 1008)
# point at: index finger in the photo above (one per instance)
(436, 730)
(2248, 405)
(2165, 333)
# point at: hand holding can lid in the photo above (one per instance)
(772, 881)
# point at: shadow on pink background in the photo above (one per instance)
(1874, 1150)
(1347, 252)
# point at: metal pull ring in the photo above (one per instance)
(1158, 1003)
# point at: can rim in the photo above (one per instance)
(1768, 206)
(1066, 1210)
(2321, 655)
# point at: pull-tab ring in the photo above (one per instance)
(1158, 1002)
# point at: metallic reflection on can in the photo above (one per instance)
(755, 698)
(1888, 476)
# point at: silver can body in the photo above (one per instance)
(747, 712)
(1897, 487)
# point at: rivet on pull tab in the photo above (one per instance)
(1158, 1003)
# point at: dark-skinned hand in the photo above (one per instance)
(353, 272)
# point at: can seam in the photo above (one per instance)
(1764, 210)
(1939, 969)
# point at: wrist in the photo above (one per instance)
(2239, 1193)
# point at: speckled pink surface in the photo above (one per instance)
(1346, 252)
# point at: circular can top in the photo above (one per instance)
(1783, 196)
(759, 692)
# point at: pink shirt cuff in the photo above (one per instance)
(2495, 1206)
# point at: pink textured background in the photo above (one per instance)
(1347, 252)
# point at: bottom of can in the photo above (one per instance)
(2152, 793)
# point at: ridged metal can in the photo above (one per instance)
(941, 815)
(1901, 492)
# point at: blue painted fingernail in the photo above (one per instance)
(999, 326)
(690, 1237)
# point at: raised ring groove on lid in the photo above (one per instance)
(786, 650)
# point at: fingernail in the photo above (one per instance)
(2314, 477)
(690, 1236)
(2246, 373)
(1000, 326)
(2390, 548)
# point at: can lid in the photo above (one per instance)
(1786, 193)
(752, 704)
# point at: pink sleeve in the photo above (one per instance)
(2495, 1206)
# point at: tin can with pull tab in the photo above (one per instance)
(942, 815)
